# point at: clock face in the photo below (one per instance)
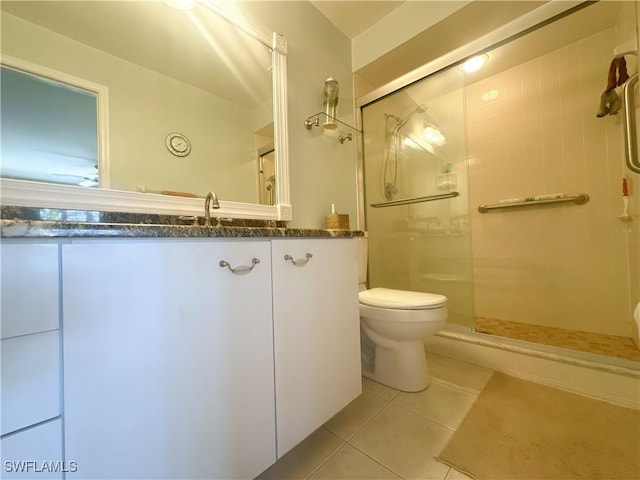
(178, 144)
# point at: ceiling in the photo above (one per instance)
(355, 16)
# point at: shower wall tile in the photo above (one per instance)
(561, 265)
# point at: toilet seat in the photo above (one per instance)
(401, 299)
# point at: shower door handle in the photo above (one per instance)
(630, 134)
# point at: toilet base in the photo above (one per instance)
(403, 367)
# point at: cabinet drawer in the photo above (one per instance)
(30, 380)
(29, 288)
(34, 453)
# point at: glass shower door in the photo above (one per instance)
(416, 192)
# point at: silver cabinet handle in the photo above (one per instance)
(242, 269)
(300, 262)
(631, 147)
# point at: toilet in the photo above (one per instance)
(393, 326)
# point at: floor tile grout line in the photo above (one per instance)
(422, 416)
(469, 391)
(397, 392)
(376, 415)
(387, 403)
(390, 402)
(386, 467)
(363, 425)
(322, 464)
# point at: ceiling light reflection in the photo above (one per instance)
(434, 136)
(475, 63)
(408, 142)
(490, 95)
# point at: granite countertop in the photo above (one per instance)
(22, 222)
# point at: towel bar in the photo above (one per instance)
(580, 199)
(407, 201)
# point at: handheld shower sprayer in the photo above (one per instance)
(391, 149)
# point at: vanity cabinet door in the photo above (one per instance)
(316, 333)
(29, 302)
(31, 443)
(30, 380)
(168, 359)
(34, 453)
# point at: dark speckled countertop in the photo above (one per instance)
(27, 222)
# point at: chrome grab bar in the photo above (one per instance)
(631, 150)
(407, 201)
(242, 269)
(300, 262)
(580, 199)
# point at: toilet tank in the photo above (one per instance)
(363, 255)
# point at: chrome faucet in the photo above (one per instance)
(211, 197)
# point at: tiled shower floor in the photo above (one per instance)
(610, 345)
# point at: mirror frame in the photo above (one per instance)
(22, 193)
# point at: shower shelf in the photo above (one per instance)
(407, 201)
(314, 121)
(579, 199)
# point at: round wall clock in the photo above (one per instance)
(178, 144)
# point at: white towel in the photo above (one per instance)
(549, 196)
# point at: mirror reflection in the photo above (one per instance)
(189, 104)
(48, 130)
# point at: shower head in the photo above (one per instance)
(401, 122)
(417, 109)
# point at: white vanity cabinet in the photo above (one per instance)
(182, 358)
(168, 358)
(316, 333)
(31, 441)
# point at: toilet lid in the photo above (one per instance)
(401, 299)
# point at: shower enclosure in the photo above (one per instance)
(417, 192)
(503, 190)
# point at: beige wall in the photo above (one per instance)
(323, 171)
(563, 265)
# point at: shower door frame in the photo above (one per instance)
(516, 28)
(541, 16)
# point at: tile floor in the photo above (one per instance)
(387, 434)
(610, 345)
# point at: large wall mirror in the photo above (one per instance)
(143, 107)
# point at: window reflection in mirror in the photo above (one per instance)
(166, 71)
(48, 130)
